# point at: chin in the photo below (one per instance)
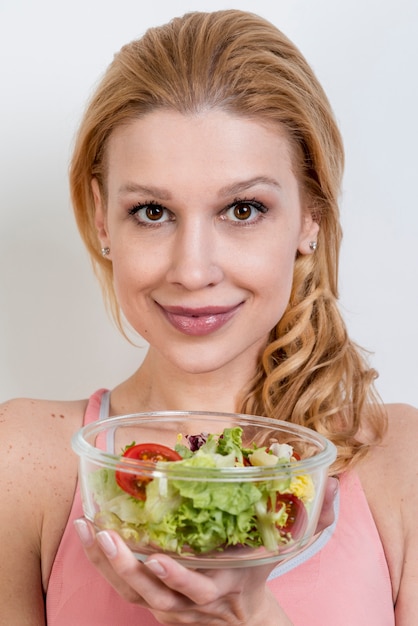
(200, 363)
(199, 368)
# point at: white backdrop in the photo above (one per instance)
(56, 341)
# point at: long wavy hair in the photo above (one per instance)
(311, 373)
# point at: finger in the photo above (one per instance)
(194, 585)
(101, 552)
(327, 515)
(203, 586)
(157, 586)
(161, 583)
(134, 581)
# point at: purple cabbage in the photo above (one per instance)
(196, 441)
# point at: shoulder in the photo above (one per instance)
(28, 408)
(398, 449)
(389, 477)
(39, 472)
(392, 462)
(402, 440)
(402, 428)
(35, 435)
(401, 417)
(396, 458)
(38, 426)
(35, 439)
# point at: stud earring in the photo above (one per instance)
(105, 251)
(313, 245)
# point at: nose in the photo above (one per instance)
(195, 262)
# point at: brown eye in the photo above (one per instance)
(150, 213)
(154, 213)
(243, 211)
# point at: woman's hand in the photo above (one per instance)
(327, 515)
(177, 595)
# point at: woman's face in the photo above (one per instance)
(203, 219)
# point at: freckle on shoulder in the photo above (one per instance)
(24, 410)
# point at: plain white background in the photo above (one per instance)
(56, 340)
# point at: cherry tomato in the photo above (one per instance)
(150, 452)
(297, 517)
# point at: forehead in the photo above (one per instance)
(214, 141)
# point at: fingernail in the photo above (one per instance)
(156, 568)
(84, 532)
(107, 544)
(336, 485)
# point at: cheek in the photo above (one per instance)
(272, 267)
(130, 285)
(129, 276)
(274, 279)
(135, 275)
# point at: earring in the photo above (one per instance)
(105, 251)
(313, 245)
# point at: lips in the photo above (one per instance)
(199, 321)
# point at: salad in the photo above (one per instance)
(184, 516)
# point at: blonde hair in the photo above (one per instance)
(310, 373)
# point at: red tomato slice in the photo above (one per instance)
(297, 517)
(150, 452)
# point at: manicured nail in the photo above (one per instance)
(335, 485)
(84, 532)
(107, 544)
(156, 568)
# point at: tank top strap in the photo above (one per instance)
(97, 406)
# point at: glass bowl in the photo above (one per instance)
(242, 499)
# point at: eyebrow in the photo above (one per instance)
(227, 190)
(242, 185)
(157, 192)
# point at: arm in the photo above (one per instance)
(21, 597)
(405, 420)
(389, 478)
(38, 475)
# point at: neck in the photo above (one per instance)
(157, 386)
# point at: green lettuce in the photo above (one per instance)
(180, 515)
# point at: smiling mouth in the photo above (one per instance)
(201, 321)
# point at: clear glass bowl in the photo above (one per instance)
(205, 517)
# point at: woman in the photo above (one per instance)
(205, 183)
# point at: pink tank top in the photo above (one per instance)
(342, 579)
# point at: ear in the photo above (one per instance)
(100, 215)
(309, 233)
